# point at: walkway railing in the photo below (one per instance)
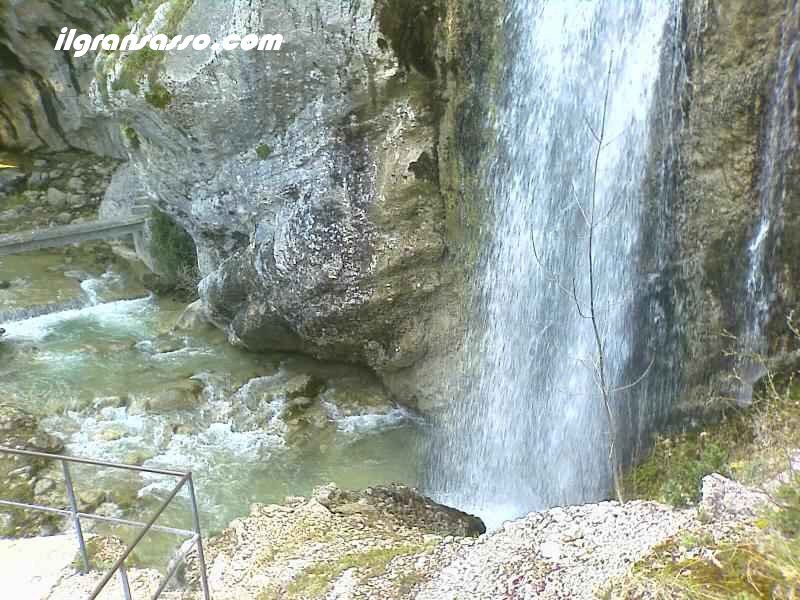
(194, 535)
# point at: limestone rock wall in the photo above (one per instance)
(322, 184)
(333, 189)
(44, 100)
(731, 51)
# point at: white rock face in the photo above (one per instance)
(727, 499)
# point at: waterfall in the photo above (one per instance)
(527, 430)
(779, 145)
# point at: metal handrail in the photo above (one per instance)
(194, 535)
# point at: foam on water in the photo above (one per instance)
(372, 423)
(123, 315)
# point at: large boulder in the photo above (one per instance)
(311, 185)
(401, 504)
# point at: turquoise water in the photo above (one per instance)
(95, 373)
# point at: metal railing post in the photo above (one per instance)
(126, 586)
(74, 514)
(200, 554)
(76, 518)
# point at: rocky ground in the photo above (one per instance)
(56, 189)
(392, 543)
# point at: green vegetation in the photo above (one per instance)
(786, 517)
(158, 96)
(410, 26)
(674, 471)
(316, 580)
(132, 137)
(756, 561)
(747, 444)
(753, 565)
(117, 7)
(263, 151)
(147, 62)
(176, 254)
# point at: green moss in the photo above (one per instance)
(674, 471)
(158, 96)
(147, 62)
(263, 151)
(175, 16)
(316, 580)
(748, 444)
(132, 137)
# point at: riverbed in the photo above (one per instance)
(109, 373)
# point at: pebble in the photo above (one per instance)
(43, 485)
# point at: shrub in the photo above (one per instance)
(263, 151)
(786, 518)
(674, 472)
(158, 96)
(176, 256)
(132, 137)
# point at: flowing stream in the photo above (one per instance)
(531, 431)
(97, 373)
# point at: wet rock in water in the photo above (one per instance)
(358, 398)
(180, 396)
(89, 500)
(300, 403)
(38, 179)
(9, 215)
(109, 509)
(402, 504)
(108, 402)
(112, 434)
(10, 180)
(193, 318)
(77, 275)
(136, 457)
(161, 345)
(264, 390)
(4, 285)
(19, 429)
(303, 385)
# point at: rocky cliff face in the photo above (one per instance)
(333, 188)
(320, 183)
(45, 101)
(732, 58)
